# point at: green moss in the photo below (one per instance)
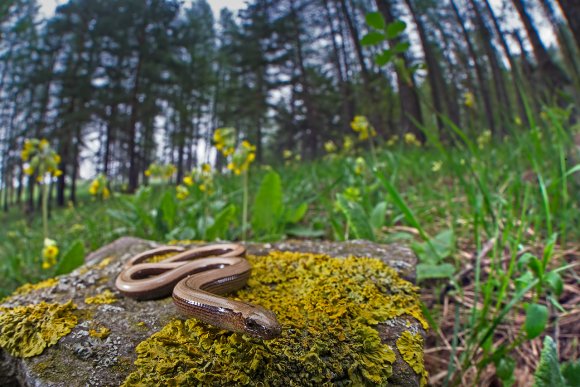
(410, 347)
(26, 331)
(106, 297)
(328, 309)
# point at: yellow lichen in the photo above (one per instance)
(328, 309)
(104, 263)
(107, 297)
(27, 288)
(410, 347)
(101, 333)
(26, 331)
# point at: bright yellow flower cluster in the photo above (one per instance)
(330, 146)
(99, 187)
(202, 178)
(411, 139)
(49, 254)
(225, 139)
(162, 171)
(361, 125)
(40, 158)
(243, 157)
(469, 99)
(360, 166)
(393, 140)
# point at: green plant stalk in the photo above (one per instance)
(245, 206)
(45, 209)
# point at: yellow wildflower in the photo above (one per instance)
(147, 172)
(484, 139)
(106, 193)
(188, 180)
(361, 125)
(352, 194)
(436, 166)
(43, 144)
(298, 157)
(57, 173)
(205, 167)
(287, 154)
(347, 144)
(468, 99)
(28, 170)
(329, 146)
(181, 192)
(359, 166)
(393, 140)
(518, 121)
(411, 139)
(50, 252)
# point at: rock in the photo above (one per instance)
(101, 348)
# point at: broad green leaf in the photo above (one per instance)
(221, 224)
(296, 214)
(436, 249)
(267, 208)
(536, 319)
(395, 28)
(426, 271)
(356, 218)
(372, 38)
(524, 280)
(375, 20)
(378, 215)
(536, 266)
(555, 281)
(72, 258)
(401, 47)
(168, 208)
(384, 57)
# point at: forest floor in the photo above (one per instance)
(494, 224)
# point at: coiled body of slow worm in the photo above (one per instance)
(197, 278)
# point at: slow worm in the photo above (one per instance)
(198, 277)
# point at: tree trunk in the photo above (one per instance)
(410, 106)
(571, 9)
(554, 76)
(478, 70)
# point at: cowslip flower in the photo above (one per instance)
(359, 166)
(49, 253)
(329, 146)
(361, 125)
(436, 166)
(411, 139)
(468, 99)
(181, 192)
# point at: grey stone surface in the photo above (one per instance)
(81, 360)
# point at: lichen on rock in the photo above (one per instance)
(106, 297)
(410, 347)
(26, 331)
(328, 308)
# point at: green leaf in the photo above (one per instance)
(356, 218)
(221, 224)
(427, 270)
(378, 215)
(536, 319)
(536, 266)
(72, 258)
(571, 373)
(548, 372)
(372, 38)
(375, 20)
(401, 47)
(267, 209)
(505, 367)
(168, 208)
(295, 215)
(436, 249)
(384, 57)
(524, 280)
(395, 28)
(555, 281)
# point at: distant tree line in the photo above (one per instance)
(127, 82)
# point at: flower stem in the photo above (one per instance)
(245, 206)
(44, 193)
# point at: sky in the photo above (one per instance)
(47, 7)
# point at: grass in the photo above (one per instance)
(492, 201)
